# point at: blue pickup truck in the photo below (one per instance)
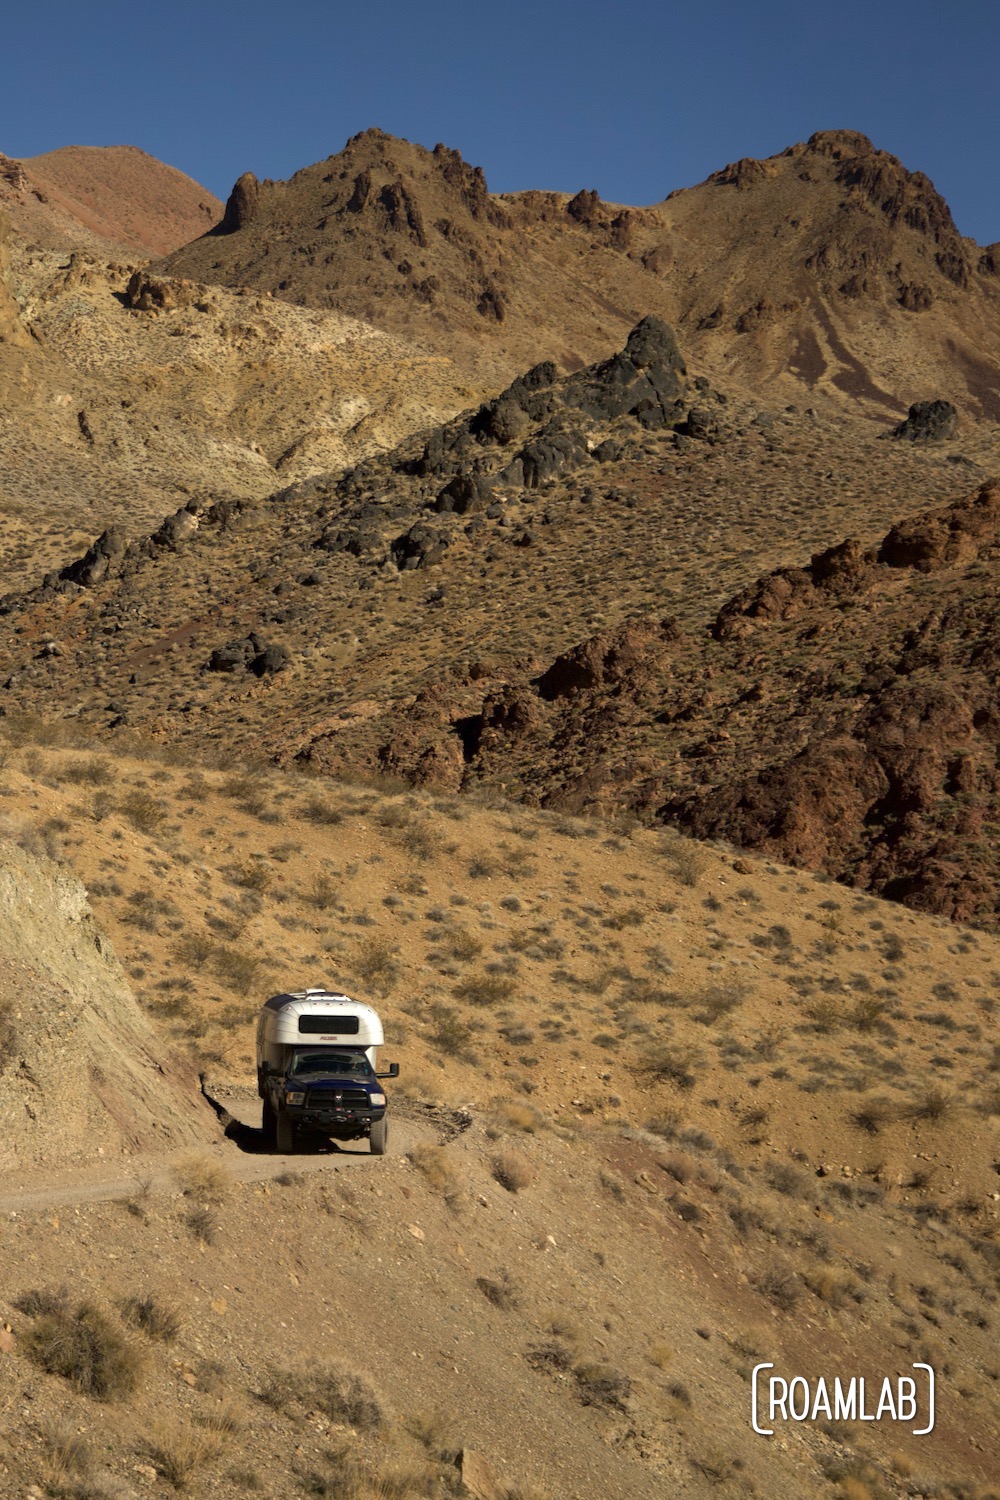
(317, 1060)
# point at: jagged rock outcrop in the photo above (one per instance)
(241, 205)
(936, 539)
(928, 422)
(612, 659)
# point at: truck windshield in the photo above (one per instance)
(332, 1064)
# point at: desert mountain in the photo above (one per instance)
(421, 614)
(81, 197)
(829, 269)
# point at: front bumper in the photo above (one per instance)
(329, 1119)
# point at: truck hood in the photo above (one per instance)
(329, 1081)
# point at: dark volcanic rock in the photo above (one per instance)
(100, 559)
(646, 380)
(464, 494)
(273, 658)
(241, 205)
(354, 540)
(235, 657)
(251, 654)
(553, 452)
(928, 422)
(420, 547)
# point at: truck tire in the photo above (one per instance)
(285, 1133)
(268, 1124)
(379, 1138)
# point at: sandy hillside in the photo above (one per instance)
(677, 1111)
(102, 196)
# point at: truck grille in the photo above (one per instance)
(336, 1099)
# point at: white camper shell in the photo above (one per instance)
(314, 1017)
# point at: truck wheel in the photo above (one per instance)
(268, 1123)
(379, 1138)
(285, 1133)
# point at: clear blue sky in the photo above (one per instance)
(632, 99)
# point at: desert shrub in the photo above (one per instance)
(376, 962)
(485, 989)
(612, 1184)
(517, 1116)
(422, 840)
(867, 1013)
(82, 1345)
(202, 1222)
(252, 875)
(872, 1115)
(789, 1180)
(513, 1171)
(144, 811)
(672, 1064)
(679, 1167)
(686, 858)
(93, 772)
(201, 1177)
(322, 893)
(552, 1355)
(463, 945)
(436, 1166)
(716, 1001)
(933, 1104)
(235, 967)
(319, 810)
(780, 1284)
(601, 1385)
(666, 1124)
(143, 911)
(177, 1450)
(684, 1209)
(502, 1291)
(67, 1450)
(194, 949)
(449, 1033)
(159, 1319)
(340, 1394)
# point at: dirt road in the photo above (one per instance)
(239, 1148)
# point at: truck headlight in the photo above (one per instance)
(296, 1096)
(377, 1100)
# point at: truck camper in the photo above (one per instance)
(317, 1061)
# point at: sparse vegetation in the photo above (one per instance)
(82, 1344)
(179, 1451)
(159, 1319)
(342, 1395)
(513, 1171)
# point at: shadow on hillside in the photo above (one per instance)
(251, 1139)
